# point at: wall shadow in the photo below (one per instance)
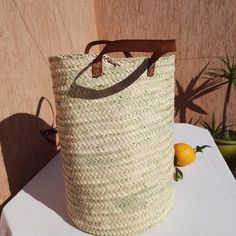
(25, 151)
(185, 99)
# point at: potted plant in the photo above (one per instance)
(223, 135)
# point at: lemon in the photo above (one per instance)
(184, 154)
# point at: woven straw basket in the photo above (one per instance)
(116, 137)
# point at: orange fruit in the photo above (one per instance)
(184, 154)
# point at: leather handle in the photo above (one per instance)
(91, 44)
(158, 47)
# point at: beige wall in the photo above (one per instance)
(31, 30)
(202, 28)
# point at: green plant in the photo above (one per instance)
(216, 129)
(228, 74)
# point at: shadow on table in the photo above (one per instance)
(48, 188)
(24, 150)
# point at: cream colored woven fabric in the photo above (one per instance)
(116, 142)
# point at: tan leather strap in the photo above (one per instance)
(90, 45)
(158, 47)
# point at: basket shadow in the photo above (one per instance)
(48, 188)
(24, 150)
(78, 91)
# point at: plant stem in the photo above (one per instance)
(225, 111)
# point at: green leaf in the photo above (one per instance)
(219, 127)
(206, 125)
(200, 148)
(178, 174)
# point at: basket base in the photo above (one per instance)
(138, 228)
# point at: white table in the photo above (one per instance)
(205, 202)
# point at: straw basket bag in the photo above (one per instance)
(115, 124)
